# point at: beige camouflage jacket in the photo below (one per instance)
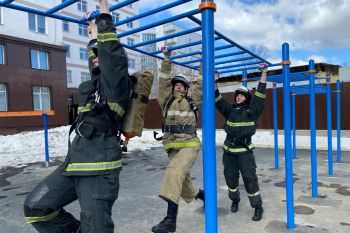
(180, 112)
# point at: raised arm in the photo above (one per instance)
(258, 100)
(113, 62)
(164, 83)
(92, 49)
(197, 89)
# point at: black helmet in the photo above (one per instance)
(180, 79)
(244, 91)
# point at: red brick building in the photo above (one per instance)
(32, 77)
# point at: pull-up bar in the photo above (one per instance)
(26, 113)
(209, 36)
(44, 115)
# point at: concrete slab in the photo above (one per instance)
(138, 207)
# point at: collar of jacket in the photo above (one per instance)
(241, 105)
(179, 95)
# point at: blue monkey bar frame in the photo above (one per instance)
(219, 53)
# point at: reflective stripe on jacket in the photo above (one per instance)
(180, 111)
(101, 153)
(241, 119)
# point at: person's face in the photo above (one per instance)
(95, 62)
(240, 98)
(180, 88)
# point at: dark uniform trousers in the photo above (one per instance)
(245, 163)
(96, 194)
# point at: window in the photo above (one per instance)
(40, 59)
(67, 46)
(3, 97)
(115, 17)
(69, 76)
(131, 63)
(41, 98)
(83, 30)
(85, 76)
(65, 26)
(1, 14)
(129, 24)
(82, 6)
(131, 42)
(83, 54)
(37, 23)
(2, 54)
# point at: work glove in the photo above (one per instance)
(263, 67)
(166, 53)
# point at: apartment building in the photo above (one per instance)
(33, 69)
(71, 39)
(147, 62)
(151, 63)
(76, 37)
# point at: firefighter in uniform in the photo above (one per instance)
(180, 140)
(91, 169)
(241, 118)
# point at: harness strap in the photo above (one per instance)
(187, 129)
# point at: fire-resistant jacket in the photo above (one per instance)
(241, 120)
(179, 112)
(101, 153)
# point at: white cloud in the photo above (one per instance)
(304, 24)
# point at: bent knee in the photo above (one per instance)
(33, 200)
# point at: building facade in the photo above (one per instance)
(32, 78)
(46, 40)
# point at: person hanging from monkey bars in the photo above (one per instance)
(241, 118)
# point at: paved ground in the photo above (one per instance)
(139, 208)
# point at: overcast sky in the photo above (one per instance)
(318, 29)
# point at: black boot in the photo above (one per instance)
(201, 196)
(234, 207)
(168, 224)
(258, 213)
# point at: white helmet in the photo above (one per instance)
(179, 78)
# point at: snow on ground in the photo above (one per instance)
(28, 147)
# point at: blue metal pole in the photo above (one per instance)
(164, 21)
(61, 6)
(329, 124)
(224, 47)
(244, 77)
(229, 54)
(185, 32)
(153, 55)
(238, 65)
(287, 139)
(208, 116)
(338, 122)
(194, 19)
(275, 123)
(185, 55)
(312, 104)
(234, 60)
(294, 126)
(5, 2)
(39, 12)
(150, 12)
(44, 116)
(246, 68)
(198, 42)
